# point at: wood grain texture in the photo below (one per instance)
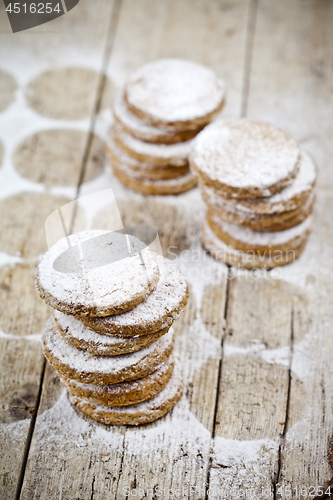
(212, 33)
(260, 420)
(22, 313)
(21, 369)
(291, 86)
(252, 402)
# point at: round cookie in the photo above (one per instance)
(161, 308)
(272, 222)
(243, 238)
(148, 133)
(123, 393)
(79, 336)
(289, 199)
(93, 287)
(250, 259)
(161, 187)
(141, 413)
(138, 169)
(99, 370)
(245, 158)
(175, 94)
(158, 155)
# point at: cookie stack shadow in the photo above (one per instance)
(258, 186)
(115, 358)
(156, 115)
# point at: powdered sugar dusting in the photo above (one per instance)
(131, 164)
(260, 238)
(140, 129)
(74, 331)
(244, 154)
(145, 407)
(125, 387)
(214, 200)
(97, 290)
(289, 198)
(170, 154)
(243, 469)
(172, 90)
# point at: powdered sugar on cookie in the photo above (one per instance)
(139, 129)
(140, 413)
(84, 338)
(175, 93)
(265, 239)
(245, 158)
(162, 307)
(84, 283)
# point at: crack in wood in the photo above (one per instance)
(92, 488)
(115, 13)
(30, 434)
(249, 44)
(285, 427)
(218, 380)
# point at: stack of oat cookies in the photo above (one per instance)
(259, 190)
(110, 337)
(161, 108)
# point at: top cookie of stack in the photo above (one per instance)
(259, 189)
(110, 337)
(162, 107)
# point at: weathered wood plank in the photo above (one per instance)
(291, 86)
(23, 213)
(211, 33)
(21, 370)
(253, 393)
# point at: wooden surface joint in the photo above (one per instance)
(30, 434)
(285, 427)
(218, 380)
(249, 46)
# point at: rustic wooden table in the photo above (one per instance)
(256, 349)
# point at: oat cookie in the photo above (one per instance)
(158, 155)
(248, 260)
(245, 158)
(271, 222)
(243, 238)
(98, 370)
(141, 413)
(175, 94)
(89, 287)
(144, 132)
(135, 168)
(79, 336)
(288, 200)
(123, 393)
(162, 187)
(161, 308)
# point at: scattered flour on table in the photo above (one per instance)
(303, 363)
(242, 469)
